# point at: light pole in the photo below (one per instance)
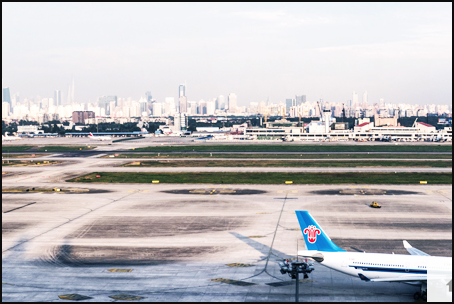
(293, 270)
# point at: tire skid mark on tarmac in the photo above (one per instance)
(68, 221)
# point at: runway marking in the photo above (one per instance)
(429, 191)
(287, 191)
(233, 282)
(74, 297)
(119, 270)
(227, 191)
(126, 297)
(145, 190)
(255, 236)
(239, 265)
(197, 191)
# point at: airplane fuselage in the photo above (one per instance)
(381, 265)
(100, 138)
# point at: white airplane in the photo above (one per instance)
(388, 138)
(370, 267)
(10, 138)
(99, 137)
(437, 138)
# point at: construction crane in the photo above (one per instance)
(414, 124)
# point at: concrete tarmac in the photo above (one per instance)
(176, 243)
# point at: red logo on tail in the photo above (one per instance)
(312, 232)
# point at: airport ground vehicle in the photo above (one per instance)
(375, 205)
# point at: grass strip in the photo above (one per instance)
(24, 163)
(288, 163)
(280, 156)
(265, 178)
(300, 148)
(40, 190)
(8, 148)
(63, 148)
(29, 155)
(21, 190)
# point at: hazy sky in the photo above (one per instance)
(401, 52)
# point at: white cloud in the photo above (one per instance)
(420, 48)
(262, 15)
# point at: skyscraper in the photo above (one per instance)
(71, 98)
(365, 97)
(57, 98)
(232, 102)
(104, 102)
(299, 99)
(289, 102)
(148, 96)
(355, 99)
(181, 90)
(6, 96)
(220, 102)
(182, 99)
(211, 107)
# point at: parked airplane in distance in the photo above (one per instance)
(10, 138)
(92, 137)
(370, 267)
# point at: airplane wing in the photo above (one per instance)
(414, 251)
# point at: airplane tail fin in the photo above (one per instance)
(314, 236)
(91, 134)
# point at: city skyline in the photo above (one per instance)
(399, 52)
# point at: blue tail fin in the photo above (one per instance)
(314, 236)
